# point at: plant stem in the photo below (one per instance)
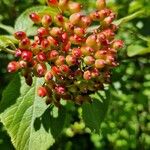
(8, 51)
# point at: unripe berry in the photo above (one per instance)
(89, 60)
(86, 50)
(25, 43)
(41, 56)
(76, 52)
(48, 76)
(60, 60)
(70, 60)
(52, 2)
(99, 63)
(42, 32)
(42, 92)
(63, 4)
(75, 18)
(79, 31)
(117, 44)
(100, 4)
(13, 66)
(18, 52)
(56, 31)
(87, 75)
(27, 55)
(35, 18)
(23, 64)
(60, 90)
(74, 7)
(46, 20)
(19, 35)
(41, 69)
(52, 55)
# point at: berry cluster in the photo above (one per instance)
(73, 61)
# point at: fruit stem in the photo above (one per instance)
(8, 51)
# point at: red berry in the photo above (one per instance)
(53, 42)
(25, 43)
(52, 2)
(35, 18)
(95, 73)
(42, 92)
(60, 90)
(66, 46)
(59, 20)
(27, 55)
(19, 35)
(42, 32)
(46, 20)
(76, 52)
(55, 71)
(13, 66)
(64, 37)
(64, 68)
(18, 52)
(41, 56)
(45, 44)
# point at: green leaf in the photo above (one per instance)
(134, 50)
(24, 23)
(26, 117)
(94, 113)
(7, 28)
(6, 41)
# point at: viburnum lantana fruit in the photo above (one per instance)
(73, 60)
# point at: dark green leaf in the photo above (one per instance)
(94, 113)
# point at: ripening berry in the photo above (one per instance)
(74, 7)
(41, 56)
(89, 60)
(76, 40)
(79, 31)
(18, 52)
(25, 43)
(56, 32)
(63, 4)
(91, 41)
(42, 32)
(66, 46)
(75, 18)
(99, 63)
(35, 18)
(95, 73)
(42, 92)
(60, 90)
(60, 60)
(53, 42)
(52, 2)
(64, 37)
(69, 27)
(109, 59)
(107, 21)
(48, 76)
(27, 55)
(41, 69)
(86, 50)
(46, 20)
(64, 69)
(23, 64)
(100, 4)
(100, 54)
(76, 52)
(52, 55)
(19, 35)
(55, 71)
(59, 20)
(71, 60)
(35, 48)
(117, 44)
(45, 44)
(94, 16)
(87, 75)
(13, 66)
(85, 21)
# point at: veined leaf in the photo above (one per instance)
(24, 23)
(94, 113)
(27, 118)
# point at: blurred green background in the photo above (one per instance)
(127, 124)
